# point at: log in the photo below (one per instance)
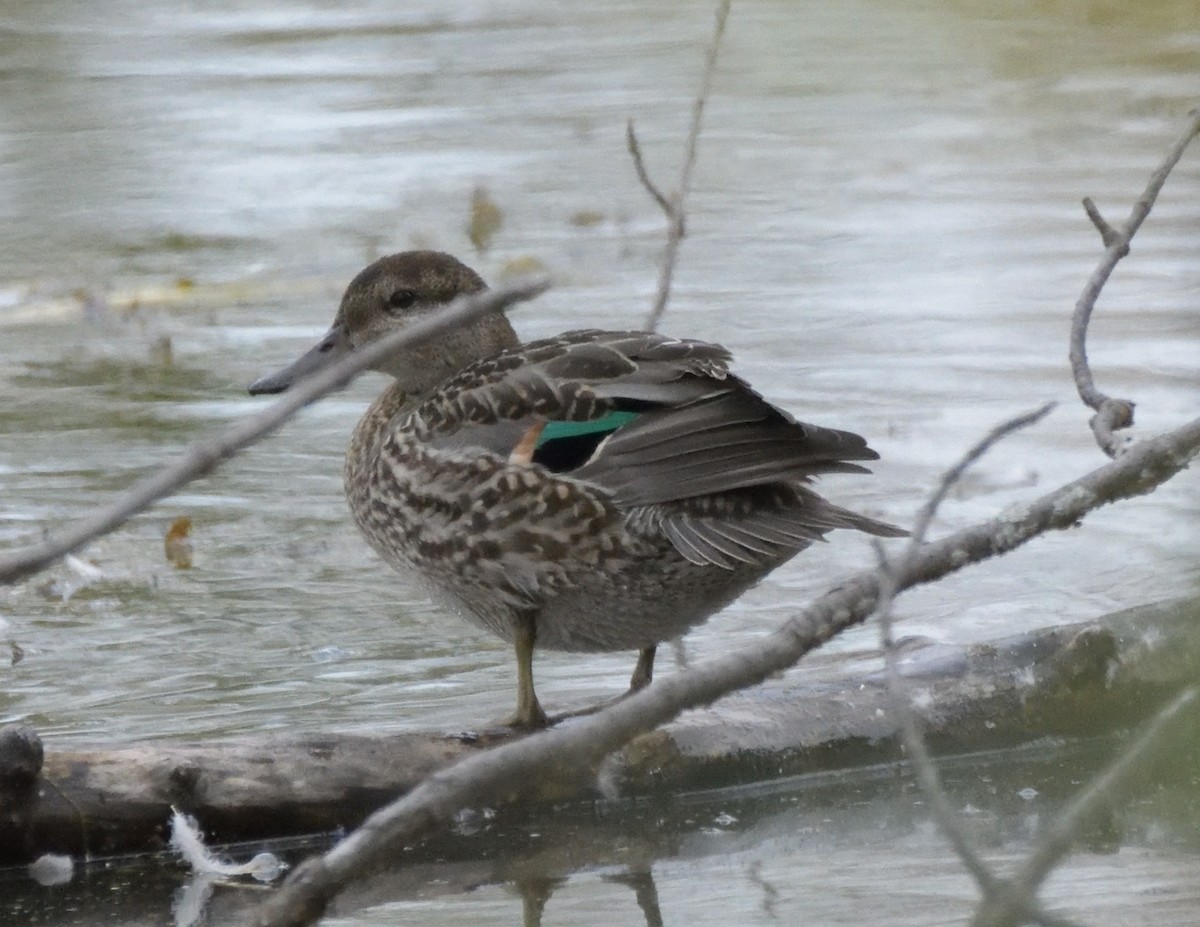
(1075, 680)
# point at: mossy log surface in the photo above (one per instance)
(1074, 680)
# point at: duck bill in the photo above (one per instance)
(333, 346)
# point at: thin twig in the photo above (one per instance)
(1107, 233)
(1012, 901)
(1115, 414)
(924, 768)
(201, 457)
(675, 207)
(954, 474)
(914, 744)
(508, 771)
(1176, 719)
(639, 165)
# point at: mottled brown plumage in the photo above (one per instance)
(594, 491)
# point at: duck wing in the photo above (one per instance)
(729, 438)
(687, 448)
(577, 377)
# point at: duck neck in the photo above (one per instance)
(417, 377)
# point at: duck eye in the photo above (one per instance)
(401, 299)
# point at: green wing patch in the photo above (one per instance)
(597, 426)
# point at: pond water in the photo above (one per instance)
(884, 227)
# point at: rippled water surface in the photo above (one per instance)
(884, 227)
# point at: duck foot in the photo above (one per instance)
(525, 721)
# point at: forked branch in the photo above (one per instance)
(675, 206)
(1115, 414)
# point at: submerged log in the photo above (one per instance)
(1067, 681)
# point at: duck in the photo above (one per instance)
(595, 491)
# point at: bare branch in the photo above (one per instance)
(1007, 902)
(675, 207)
(202, 457)
(1115, 414)
(1026, 906)
(923, 766)
(954, 474)
(1138, 758)
(1107, 233)
(577, 748)
(914, 744)
(639, 165)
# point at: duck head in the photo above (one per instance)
(389, 295)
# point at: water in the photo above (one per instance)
(884, 228)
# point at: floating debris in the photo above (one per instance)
(187, 841)
(81, 575)
(52, 869)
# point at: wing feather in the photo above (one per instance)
(721, 468)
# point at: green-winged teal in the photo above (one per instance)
(595, 491)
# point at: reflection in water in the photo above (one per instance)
(190, 901)
(769, 892)
(535, 892)
(811, 849)
(641, 880)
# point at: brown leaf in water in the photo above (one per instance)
(485, 220)
(177, 544)
(520, 267)
(586, 218)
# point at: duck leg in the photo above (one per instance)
(529, 710)
(644, 671)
